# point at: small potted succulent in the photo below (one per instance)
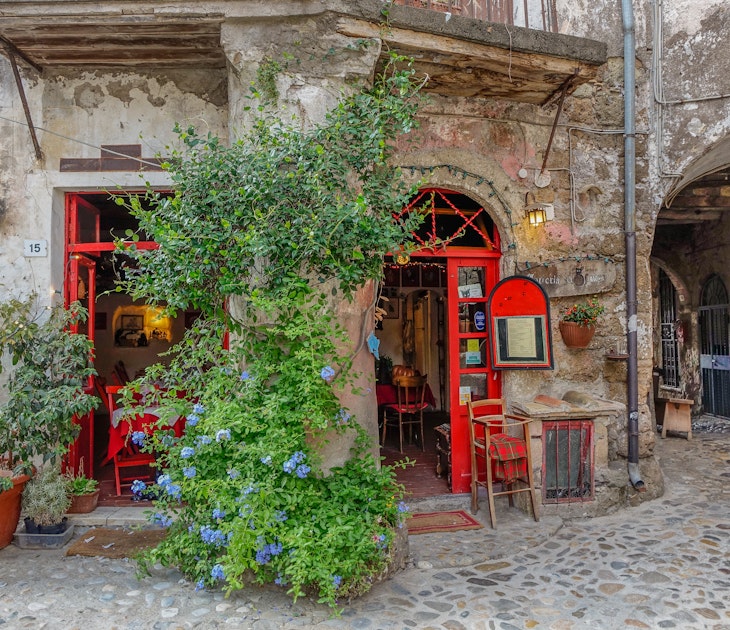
(578, 323)
(82, 491)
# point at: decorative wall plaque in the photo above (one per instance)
(567, 278)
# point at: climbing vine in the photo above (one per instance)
(257, 236)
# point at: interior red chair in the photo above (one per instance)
(127, 455)
(505, 456)
(408, 410)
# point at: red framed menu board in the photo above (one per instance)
(519, 320)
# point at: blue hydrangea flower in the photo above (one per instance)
(161, 519)
(212, 536)
(223, 434)
(190, 471)
(264, 554)
(402, 507)
(290, 465)
(198, 408)
(217, 572)
(163, 480)
(342, 417)
(233, 473)
(192, 419)
(280, 516)
(138, 438)
(337, 580)
(302, 471)
(248, 490)
(245, 375)
(200, 585)
(218, 513)
(327, 373)
(138, 486)
(187, 452)
(203, 439)
(266, 460)
(174, 490)
(280, 580)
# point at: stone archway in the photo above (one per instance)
(692, 243)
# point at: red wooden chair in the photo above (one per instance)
(408, 410)
(506, 457)
(124, 453)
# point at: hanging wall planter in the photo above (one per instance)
(576, 335)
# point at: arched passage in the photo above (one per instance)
(691, 245)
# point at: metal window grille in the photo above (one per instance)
(670, 347)
(567, 461)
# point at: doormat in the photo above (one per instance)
(115, 543)
(431, 522)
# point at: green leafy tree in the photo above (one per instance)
(45, 388)
(261, 237)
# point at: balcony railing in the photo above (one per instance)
(536, 14)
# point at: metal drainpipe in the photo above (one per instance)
(632, 387)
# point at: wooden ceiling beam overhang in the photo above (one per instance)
(467, 57)
(117, 40)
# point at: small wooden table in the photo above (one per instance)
(677, 416)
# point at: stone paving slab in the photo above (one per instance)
(663, 564)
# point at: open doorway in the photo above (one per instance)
(435, 304)
(128, 336)
(413, 334)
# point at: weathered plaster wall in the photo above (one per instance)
(693, 89)
(75, 112)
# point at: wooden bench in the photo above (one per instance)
(676, 415)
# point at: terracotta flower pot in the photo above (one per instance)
(576, 336)
(83, 503)
(10, 510)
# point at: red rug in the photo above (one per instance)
(431, 522)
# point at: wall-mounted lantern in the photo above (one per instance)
(537, 213)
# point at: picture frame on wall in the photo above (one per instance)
(132, 322)
(391, 276)
(430, 276)
(411, 276)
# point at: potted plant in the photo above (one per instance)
(45, 502)
(44, 390)
(82, 491)
(578, 323)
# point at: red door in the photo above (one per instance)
(470, 281)
(81, 286)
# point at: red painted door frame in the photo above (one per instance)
(467, 330)
(80, 252)
(482, 263)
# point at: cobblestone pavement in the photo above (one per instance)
(664, 564)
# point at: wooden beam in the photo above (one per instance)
(693, 216)
(460, 53)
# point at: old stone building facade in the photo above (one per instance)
(517, 118)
